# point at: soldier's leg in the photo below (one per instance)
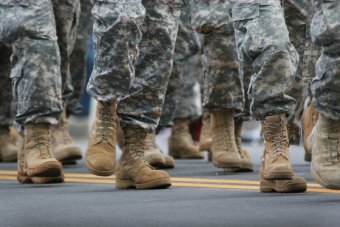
(298, 16)
(141, 110)
(116, 39)
(78, 57)
(325, 137)
(181, 144)
(66, 13)
(8, 148)
(223, 91)
(36, 86)
(262, 40)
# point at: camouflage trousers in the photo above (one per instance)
(180, 98)
(298, 15)
(264, 49)
(6, 116)
(29, 26)
(325, 32)
(78, 57)
(66, 13)
(223, 86)
(134, 42)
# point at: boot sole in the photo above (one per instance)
(266, 186)
(155, 184)
(99, 172)
(24, 179)
(318, 179)
(47, 169)
(227, 165)
(245, 168)
(278, 176)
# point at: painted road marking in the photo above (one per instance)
(177, 182)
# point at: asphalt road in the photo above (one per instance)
(201, 195)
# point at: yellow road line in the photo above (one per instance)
(174, 179)
(179, 184)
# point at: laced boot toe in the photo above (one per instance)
(276, 159)
(133, 171)
(224, 150)
(325, 140)
(101, 150)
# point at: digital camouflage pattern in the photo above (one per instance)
(29, 26)
(134, 42)
(183, 75)
(78, 57)
(298, 16)
(66, 13)
(223, 87)
(325, 32)
(189, 105)
(6, 117)
(263, 42)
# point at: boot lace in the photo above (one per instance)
(107, 121)
(135, 146)
(276, 136)
(221, 136)
(42, 143)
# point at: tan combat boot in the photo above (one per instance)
(205, 138)
(153, 153)
(181, 145)
(325, 141)
(8, 149)
(276, 164)
(37, 161)
(308, 119)
(22, 176)
(224, 150)
(63, 146)
(133, 171)
(246, 163)
(101, 150)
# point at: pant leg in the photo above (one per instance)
(325, 32)
(189, 105)
(298, 15)
(143, 106)
(35, 73)
(222, 82)
(187, 45)
(263, 42)
(116, 38)
(6, 115)
(78, 57)
(66, 13)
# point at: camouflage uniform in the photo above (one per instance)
(133, 56)
(180, 98)
(66, 13)
(325, 32)
(5, 86)
(78, 57)
(222, 83)
(298, 15)
(189, 105)
(29, 26)
(262, 41)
